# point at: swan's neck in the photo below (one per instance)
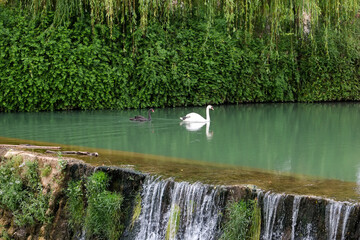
(149, 115)
(207, 115)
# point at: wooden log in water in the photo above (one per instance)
(29, 146)
(94, 154)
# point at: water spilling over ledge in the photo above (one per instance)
(183, 210)
(307, 217)
(179, 210)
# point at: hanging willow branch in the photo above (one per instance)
(271, 17)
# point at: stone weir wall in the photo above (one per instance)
(155, 208)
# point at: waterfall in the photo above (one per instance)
(152, 217)
(309, 229)
(337, 211)
(316, 219)
(271, 202)
(295, 211)
(200, 213)
(179, 210)
(333, 218)
(348, 209)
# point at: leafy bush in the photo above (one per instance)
(243, 221)
(46, 171)
(103, 212)
(33, 210)
(99, 214)
(75, 205)
(22, 193)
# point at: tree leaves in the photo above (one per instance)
(44, 67)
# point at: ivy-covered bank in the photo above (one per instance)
(191, 59)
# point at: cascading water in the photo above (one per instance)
(200, 213)
(284, 219)
(333, 218)
(152, 217)
(172, 210)
(181, 210)
(295, 211)
(271, 202)
(348, 209)
(308, 235)
(337, 216)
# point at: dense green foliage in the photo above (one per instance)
(101, 217)
(243, 221)
(75, 205)
(22, 193)
(191, 60)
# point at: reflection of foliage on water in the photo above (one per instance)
(243, 221)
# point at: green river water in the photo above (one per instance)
(294, 147)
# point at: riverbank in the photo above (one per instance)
(281, 214)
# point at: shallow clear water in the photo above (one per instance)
(317, 140)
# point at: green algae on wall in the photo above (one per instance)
(174, 221)
(136, 211)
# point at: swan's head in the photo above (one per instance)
(152, 110)
(210, 107)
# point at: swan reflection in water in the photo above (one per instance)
(358, 181)
(196, 126)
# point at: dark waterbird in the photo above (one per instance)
(140, 118)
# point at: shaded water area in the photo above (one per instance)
(293, 148)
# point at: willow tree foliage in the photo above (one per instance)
(272, 17)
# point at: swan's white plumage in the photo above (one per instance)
(195, 117)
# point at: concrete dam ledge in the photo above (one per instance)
(156, 208)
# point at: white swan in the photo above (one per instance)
(194, 117)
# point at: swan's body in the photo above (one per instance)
(140, 118)
(197, 118)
